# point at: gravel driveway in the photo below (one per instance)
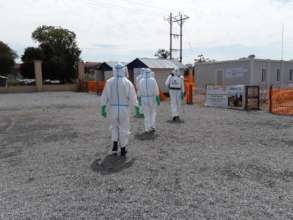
(55, 163)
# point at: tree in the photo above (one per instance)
(202, 59)
(31, 54)
(58, 50)
(7, 57)
(162, 54)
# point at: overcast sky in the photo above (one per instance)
(126, 29)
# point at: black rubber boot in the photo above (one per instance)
(115, 147)
(123, 151)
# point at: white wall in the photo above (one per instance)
(160, 75)
(271, 68)
(234, 73)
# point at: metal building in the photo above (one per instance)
(246, 71)
(161, 67)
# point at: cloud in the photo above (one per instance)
(283, 1)
(105, 46)
(125, 28)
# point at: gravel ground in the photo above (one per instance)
(55, 163)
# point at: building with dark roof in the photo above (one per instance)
(161, 67)
(106, 70)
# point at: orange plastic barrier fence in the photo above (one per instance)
(91, 86)
(163, 97)
(281, 101)
(100, 86)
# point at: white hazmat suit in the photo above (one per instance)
(175, 84)
(148, 93)
(137, 79)
(119, 95)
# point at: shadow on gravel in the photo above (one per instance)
(112, 164)
(175, 122)
(139, 116)
(288, 142)
(146, 136)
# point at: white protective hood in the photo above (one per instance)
(119, 70)
(147, 73)
(177, 72)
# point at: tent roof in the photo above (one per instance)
(155, 63)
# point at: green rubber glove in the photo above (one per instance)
(158, 100)
(103, 111)
(139, 100)
(136, 110)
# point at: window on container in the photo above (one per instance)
(263, 75)
(278, 74)
(291, 75)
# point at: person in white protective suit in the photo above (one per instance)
(148, 97)
(119, 95)
(139, 76)
(137, 79)
(175, 84)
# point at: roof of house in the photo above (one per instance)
(108, 66)
(155, 63)
(244, 60)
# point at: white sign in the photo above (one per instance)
(237, 72)
(216, 97)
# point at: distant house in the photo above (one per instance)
(161, 67)
(246, 71)
(106, 70)
(92, 69)
(3, 81)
